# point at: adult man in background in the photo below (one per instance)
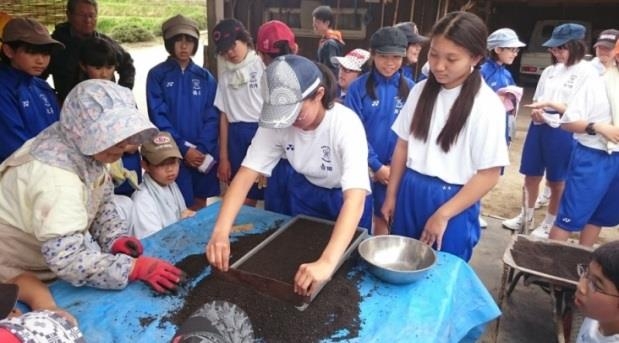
(81, 24)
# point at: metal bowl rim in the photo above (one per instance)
(434, 256)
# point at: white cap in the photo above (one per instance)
(354, 59)
(504, 38)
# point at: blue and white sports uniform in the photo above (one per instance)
(27, 106)
(432, 176)
(181, 103)
(591, 193)
(377, 117)
(496, 75)
(242, 104)
(547, 149)
(326, 162)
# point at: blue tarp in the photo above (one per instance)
(449, 305)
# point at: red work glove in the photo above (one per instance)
(127, 245)
(158, 274)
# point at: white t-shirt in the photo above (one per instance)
(242, 104)
(590, 333)
(559, 83)
(334, 155)
(590, 104)
(480, 145)
(155, 207)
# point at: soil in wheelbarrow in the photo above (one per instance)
(333, 314)
(553, 259)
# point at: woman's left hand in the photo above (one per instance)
(434, 230)
(311, 275)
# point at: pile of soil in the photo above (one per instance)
(333, 314)
(301, 242)
(550, 258)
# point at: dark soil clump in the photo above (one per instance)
(146, 321)
(334, 313)
(549, 258)
(192, 265)
(302, 242)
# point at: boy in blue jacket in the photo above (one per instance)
(180, 96)
(27, 103)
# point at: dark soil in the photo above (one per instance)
(333, 313)
(146, 321)
(549, 258)
(301, 242)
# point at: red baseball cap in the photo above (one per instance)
(272, 32)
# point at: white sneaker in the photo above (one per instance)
(516, 223)
(482, 223)
(542, 231)
(541, 201)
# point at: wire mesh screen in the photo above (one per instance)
(47, 12)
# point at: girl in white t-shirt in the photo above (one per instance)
(591, 199)
(547, 148)
(451, 143)
(326, 146)
(239, 98)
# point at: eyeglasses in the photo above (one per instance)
(583, 272)
(514, 50)
(347, 71)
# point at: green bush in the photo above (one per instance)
(131, 33)
(130, 20)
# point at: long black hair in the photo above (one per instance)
(370, 88)
(328, 82)
(468, 31)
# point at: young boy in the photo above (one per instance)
(159, 202)
(98, 60)
(180, 96)
(597, 296)
(46, 320)
(27, 103)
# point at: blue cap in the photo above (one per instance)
(290, 80)
(565, 33)
(504, 38)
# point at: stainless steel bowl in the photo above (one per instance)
(397, 259)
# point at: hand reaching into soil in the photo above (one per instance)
(311, 275)
(218, 251)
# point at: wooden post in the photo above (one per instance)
(395, 12)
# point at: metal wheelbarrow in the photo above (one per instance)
(566, 317)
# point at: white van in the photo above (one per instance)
(535, 57)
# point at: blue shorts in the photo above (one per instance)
(591, 191)
(276, 195)
(548, 150)
(419, 197)
(194, 184)
(309, 199)
(240, 135)
(379, 191)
